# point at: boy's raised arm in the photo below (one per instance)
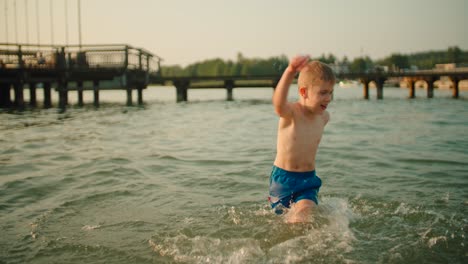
(280, 96)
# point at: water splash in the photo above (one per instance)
(327, 236)
(235, 217)
(253, 234)
(200, 249)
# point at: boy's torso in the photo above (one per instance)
(298, 140)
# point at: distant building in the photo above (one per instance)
(445, 82)
(451, 67)
(445, 66)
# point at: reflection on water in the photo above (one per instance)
(188, 183)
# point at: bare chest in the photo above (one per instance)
(303, 131)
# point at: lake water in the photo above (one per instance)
(188, 182)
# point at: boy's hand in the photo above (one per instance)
(297, 63)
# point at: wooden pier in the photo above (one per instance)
(122, 67)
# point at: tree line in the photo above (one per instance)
(277, 64)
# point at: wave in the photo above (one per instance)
(431, 161)
(208, 162)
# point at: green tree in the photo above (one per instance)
(399, 61)
(276, 65)
(345, 61)
(330, 59)
(361, 64)
(454, 54)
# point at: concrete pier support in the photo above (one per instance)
(5, 99)
(140, 95)
(182, 90)
(63, 95)
(96, 93)
(129, 96)
(365, 88)
(430, 86)
(229, 84)
(379, 83)
(80, 93)
(229, 95)
(182, 94)
(19, 94)
(32, 94)
(412, 89)
(430, 89)
(455, 92)
(47, 95)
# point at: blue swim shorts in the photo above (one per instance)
(287, 187)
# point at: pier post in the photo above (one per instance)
(379, 83)
(47, 95)
(140, 62)
(63, 95)
(412, 88)
(365, 88)
(430, 87)
(140, 95)
(229, 84)
(129, 96)
(96, 93)
(19, 94)
(32, 94)
(181, 89)
(5, 99)
(80, 93)
(455, 92)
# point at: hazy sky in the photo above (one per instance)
(184, 32)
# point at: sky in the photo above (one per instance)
(188, 31)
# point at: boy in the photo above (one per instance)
(293, 182)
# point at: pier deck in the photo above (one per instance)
(123, 66)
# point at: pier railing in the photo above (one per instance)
(122, 57)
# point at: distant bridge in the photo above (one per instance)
(182, 84)
(123, 67)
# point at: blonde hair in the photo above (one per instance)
(314, 72)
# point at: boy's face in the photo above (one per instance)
(317, 96)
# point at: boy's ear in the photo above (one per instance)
(303, 92)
